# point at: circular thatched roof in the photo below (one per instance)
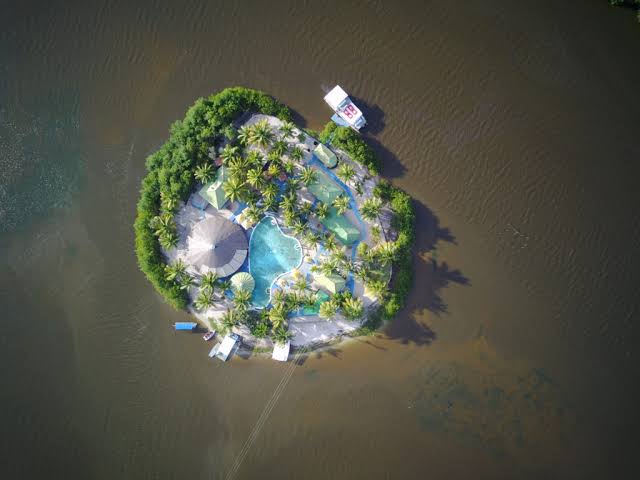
(243, 281)
(218, 245)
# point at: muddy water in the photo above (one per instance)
(513, 125)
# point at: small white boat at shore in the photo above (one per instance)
(281, 351)
(209, 335)
(224, 349)
(347, 113)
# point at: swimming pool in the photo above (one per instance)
(271, 253)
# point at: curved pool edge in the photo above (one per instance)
(277, 224)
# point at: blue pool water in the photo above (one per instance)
(271, 253)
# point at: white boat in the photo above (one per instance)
(281, 351)
(209, 335)
(224, 349)
(347, 113)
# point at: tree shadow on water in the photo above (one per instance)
(430, 278)
(392, 167)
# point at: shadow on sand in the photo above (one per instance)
(430, 278)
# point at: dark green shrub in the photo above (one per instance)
(351, 142)
(170, 169)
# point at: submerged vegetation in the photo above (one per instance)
(263, 170)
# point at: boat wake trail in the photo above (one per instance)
(264, 416)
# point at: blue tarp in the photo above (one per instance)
(185, 325)
(338, 120)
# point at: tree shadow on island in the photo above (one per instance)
(430, 277)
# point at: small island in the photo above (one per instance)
(280, 235)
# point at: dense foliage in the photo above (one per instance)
(254, 176)
(171, 174)
(403, 221)
(351, 142)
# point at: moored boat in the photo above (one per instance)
(224, 349)
(186, 326)
(347, 113)
(209, 335)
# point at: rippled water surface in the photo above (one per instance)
(514, 125)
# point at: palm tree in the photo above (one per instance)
(306, 208)
(298, 228)
(310, 300)
(353, 308)
(288, 167)
(208, 281)
(278, 298)
(292, 185)
(286, 129)
(346, 172)
(234, 189)
(204, 299)
(224, 285)
(255, 177)
(311, 238)
(328, 310)
(162, 224)
(301, 284)
(288, 203)
(168, 201)
(322, 210)
(204, 173)
(363, 273)
(244, 135)
(168, 240)
(254, 158)
(270, 205)
(278, 316)
(342, 204)
(370, 208)
(229, 152)
(252, 197)
(274, 157)
(328, 267)
(241, 299)
(340, 255)
(386, 252)
(378, 288)
(308, 175)
(230, 319)
(365, 253)
(330, 242)
(279, 147)
(261, 133)
(273, 170)
(238, 167)
(175, 271)
(281, 335)
(186, 281)
(296, 154)
(376, 232)
(253, 213)
(270, 192)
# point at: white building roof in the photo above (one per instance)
(335, 97)
(281, 351)
(225, 347)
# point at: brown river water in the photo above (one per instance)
(514, 125)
